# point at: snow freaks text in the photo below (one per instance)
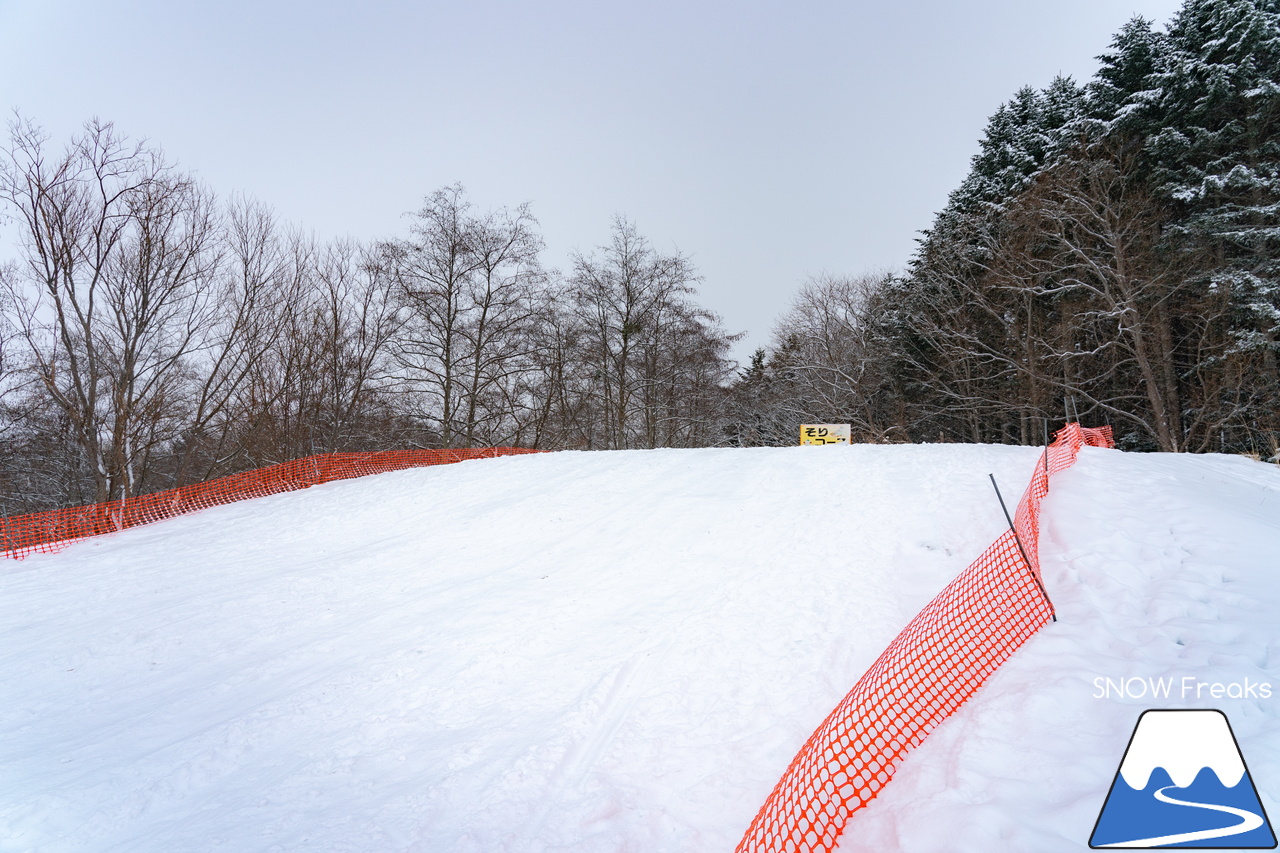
(1187, 687)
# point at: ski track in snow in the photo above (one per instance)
(608, 651)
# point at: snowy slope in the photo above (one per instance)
(1162, 568)
(607, 651)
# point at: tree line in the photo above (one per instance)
(152, 335)
(1112, 252)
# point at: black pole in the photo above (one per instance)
(1046, 452)
(1053, 611)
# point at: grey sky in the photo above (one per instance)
(767, 141)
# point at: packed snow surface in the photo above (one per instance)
(614, 652)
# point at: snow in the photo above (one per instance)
(610, 651)
(1161, 566)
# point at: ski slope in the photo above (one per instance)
(611, 651)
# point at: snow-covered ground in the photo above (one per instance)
(1163, 568)
(611, 651)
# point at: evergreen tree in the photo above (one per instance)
(1122, 92)
(988, 325)
(1219, 161)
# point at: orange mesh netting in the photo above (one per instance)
(945, 654)
(50, 531)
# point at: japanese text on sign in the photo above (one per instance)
(825, 433)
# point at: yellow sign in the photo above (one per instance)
(825, 433)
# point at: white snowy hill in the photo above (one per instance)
(613, 652)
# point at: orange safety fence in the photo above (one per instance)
(51, 531)
(938, 661)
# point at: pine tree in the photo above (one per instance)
(1122, 93)
(1219, 161)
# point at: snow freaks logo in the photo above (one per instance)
(1186, 687)
(1183, 783)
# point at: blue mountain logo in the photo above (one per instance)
(1183, 783)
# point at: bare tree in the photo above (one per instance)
(828, 361)
(644, 341)
(8, 336)
(259, 291)
(466, 284)
(113, 295)
(557, 390)
(498, 333)
(1126, 310)
(356, 321)
(303, 350)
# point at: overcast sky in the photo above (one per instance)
(768, 141)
